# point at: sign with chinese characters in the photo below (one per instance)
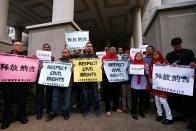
(133, 51)
(43, 55)
(136, 69)
(87, 70)
(174, 79)
(100, 54)
(55, 74)
(116, 70)
(18, 68)
(76, 40)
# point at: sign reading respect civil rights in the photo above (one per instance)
(116, 70)
(87, 70)
(18, 68)
(55, 74)
(174, 79)
(76, 40)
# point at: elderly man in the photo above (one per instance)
(20, 88)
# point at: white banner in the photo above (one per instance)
(55, 74)
(133, 51)
(143, 48)
(174, 79)
(116, 70)
(76, 40)
(136, 69)
(100, 54)
(43, 55)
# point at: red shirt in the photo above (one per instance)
(109, 57)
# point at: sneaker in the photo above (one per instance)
(84, 114)
(159, 118)
(98, 113)
(5, 125)
(142, 114)
(23, 120)
(50, 117)
(134, 116)
(167, 122)
(66, 115)
(39, 116)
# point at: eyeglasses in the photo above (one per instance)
(155, 53)
(19, 45)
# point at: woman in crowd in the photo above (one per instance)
(138, 85)
(126, 90)
(160, 96)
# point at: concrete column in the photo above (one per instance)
(131, 42)
(137, 28)
(63, 10)
(18, 33)
(4, 4)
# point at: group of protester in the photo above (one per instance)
(135, 93)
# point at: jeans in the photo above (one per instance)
(163, 101)
(56, 97)
(86, 87)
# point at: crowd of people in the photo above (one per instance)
(135, 93)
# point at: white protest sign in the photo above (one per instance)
(174, 79)
(76, 40)
(116, 70)
(133, 51)
(100, 54)
(143, 48)
(43, 55)
(136, 69)
(55, 74)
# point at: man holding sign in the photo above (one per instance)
(180, 56)
(39, 87)
(59, 79)
(86, 86)
(111, 90)
(18, 84)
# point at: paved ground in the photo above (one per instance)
(117, 122)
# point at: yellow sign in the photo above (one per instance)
(87, 70)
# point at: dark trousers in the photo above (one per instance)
(9, 90)
(77, 90)
(86, 88)
(137, 95)
(111, 92)
(39, 98)
(147, 99)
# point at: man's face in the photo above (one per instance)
(65, 53)
(106, 49)
(77, 52)
(177, 47)
(18, 47)
(89, 48)
(46, 48)
(120, 50)
(149, 51)
(112, 51)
